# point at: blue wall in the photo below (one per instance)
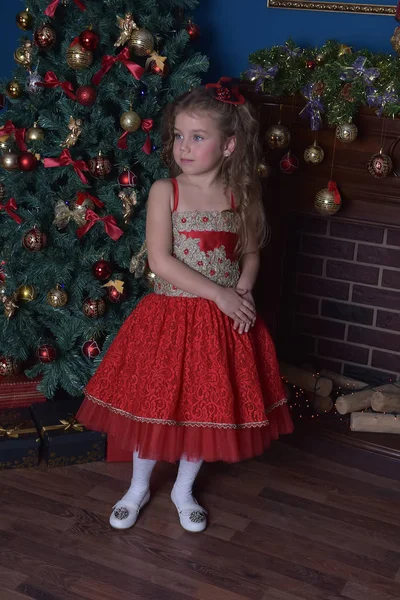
(231, 29)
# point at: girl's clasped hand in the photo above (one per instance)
(239, 305)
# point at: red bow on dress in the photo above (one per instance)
(51, 81)
(51, 9)
(65, 160)
(226, 90)
(19, 134)
(107, 62)
(110, 225)
(10, 209)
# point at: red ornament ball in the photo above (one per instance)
(86, 95)
(46, 353)
(193, 30)
(34, 240)
(114, 295)
(89, 40)
(102, 270)
(91, 349)
(127, 179)
(94, 308)
(27, 161)
(156, 70)
(289, 163)
(45, 37)
(99, 166)
(9, 366)
(310, 65)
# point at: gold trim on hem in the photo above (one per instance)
(186, 423)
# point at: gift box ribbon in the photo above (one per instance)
(15, 432)
(65, 425)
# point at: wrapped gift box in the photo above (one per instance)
(115, 453)
(17, 391)
(19, 439)
(64, 440)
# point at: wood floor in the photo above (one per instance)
(288, 526)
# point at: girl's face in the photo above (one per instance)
(199, 147)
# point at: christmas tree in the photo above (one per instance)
(81, 145)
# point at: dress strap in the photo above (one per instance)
(176, 193)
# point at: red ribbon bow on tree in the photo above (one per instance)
(82, 196)
(51, 9)
(51, 81)
(107, 62)
(65, 160)
(10, 209)
(19, 134)
(147, 125)
(226, 90)
(332, 187)
(110, 225)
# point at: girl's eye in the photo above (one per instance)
(177, 136)
(198, 137)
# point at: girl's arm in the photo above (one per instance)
(250, 261)
(163, 264)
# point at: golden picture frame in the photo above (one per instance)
(345, 7)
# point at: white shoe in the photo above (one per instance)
(125, 514)
(192, 516)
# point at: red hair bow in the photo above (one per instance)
(226, 90)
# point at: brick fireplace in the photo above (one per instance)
(341, 307)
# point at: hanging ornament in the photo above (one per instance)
(328, 201)
(94, 308)
(278, 136)
(89, 40)
(27, 161)
(9, 161)
(115, 291)
(129, 201)
(34, 240)
(14, 89)
(78, 57)
(57, 297)
(380, 165)
(138, 262)
(156, 69)
(289, 163)
(318, 88)
(127, 26)
(91, 349)
(102, 270)
(343, 50)
(10, 305)
(5, 143)
(75, 127)
(346, 92)
(320, 58)
(34, 134)
(263, 170)
(32, 83)
(130, 121)
(314, 154)
(346, 132)
(193, 30)
(23, 54)
(99, 166)
(24, 20)
(141, 42)
(46, 353)
(127, 178)
(26, 292)
(395, 40)
(44, 37)
(310, 65)
(86, 95)
(9, 366)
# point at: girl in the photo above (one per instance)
(192, 374)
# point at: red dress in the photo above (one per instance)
(177, 379)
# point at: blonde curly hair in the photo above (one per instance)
(239, 170)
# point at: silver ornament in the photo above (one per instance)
(31, 84)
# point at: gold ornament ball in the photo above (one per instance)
(57, 297)
(347, 132)
(320, 58)
(78, 57)
(314, 154)
(34, 134)
(9, 161)
(380, 165)
(130, 121)
(344, 49)
(5, 142)
(141, 42)
(278, 136)
(14, 89)
(24, 20)
(324, 203)
(26, 292)
(263, 170)
(395, 40)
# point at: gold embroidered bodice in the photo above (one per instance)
(206, 242)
